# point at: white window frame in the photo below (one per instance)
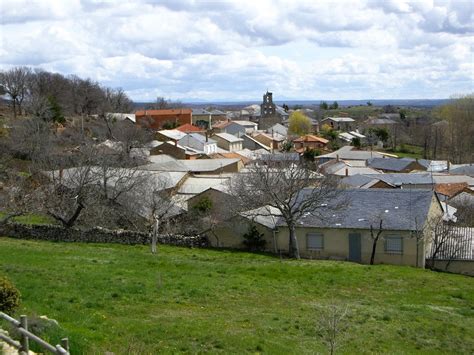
(321, 235)
(393, 251)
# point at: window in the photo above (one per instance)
(394, 245)
(314, 241)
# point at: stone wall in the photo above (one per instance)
(95, 235)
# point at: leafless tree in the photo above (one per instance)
(152, 200)
(30, 138)
(449, 242)
(375, 236)
(332, 326)
(15, 83)
(130, 135)
(290, 187)
(162, 104)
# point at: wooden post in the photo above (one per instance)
(25, 346)
(65, 344)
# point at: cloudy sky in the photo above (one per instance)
(235, 50)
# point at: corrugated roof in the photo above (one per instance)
(173, 134)
(229, 137)
(348, 153)
(339, 119)
(196, 185)
(391, 164)
(200, 111)
(202, 139)
(203, 165)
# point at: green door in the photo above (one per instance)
(354, 247)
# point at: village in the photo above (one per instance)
(236, 177)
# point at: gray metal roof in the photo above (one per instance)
(395, 179)
(203, 165)
(339, 119)
(348, 153)
(200, 111)
(391, 164)
(465, 170)
(201, 138)
(399, 209)
(229, 137)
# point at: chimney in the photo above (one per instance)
(61, 175)
(207, 137)
(347, 171)
(448, 165)
(175, 143)
(337, 157)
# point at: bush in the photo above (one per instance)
(253, 239)
(9, 296)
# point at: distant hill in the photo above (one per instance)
(399, 102)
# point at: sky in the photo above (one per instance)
(236, 50)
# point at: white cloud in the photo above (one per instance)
(237, 49)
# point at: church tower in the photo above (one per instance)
(267, 108)
(268, 112)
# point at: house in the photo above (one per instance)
(340, 228)
(230, 127)
(348, 137)
(249, 126)
(392, 165)
(234, 155)
(274, 141)
(466, 169)
(199, 142)
(201, 118)
(177, 151)
(406, 180)
(342, 168)
(309, 141)
(228, 141)
(278, 128)
(344, 232)
(157, 119)
(253, 144)
(189, 128)
(339, 123)
(352, 154)
(119, 117)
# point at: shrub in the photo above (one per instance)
(9, 296)
(253, 239)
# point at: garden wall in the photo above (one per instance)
(96, 235)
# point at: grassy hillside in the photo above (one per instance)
(123, 299)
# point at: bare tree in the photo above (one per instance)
(332, 326)
(290, 187)
(375, 236)
(450, 242)
(15, 83)
(152, 200)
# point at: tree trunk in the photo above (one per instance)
(154, 236)
(293, 248)
(374, 248)
(14, 107)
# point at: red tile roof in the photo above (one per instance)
(311, 138)
(450, 189)
(187, 127)
(180, 111)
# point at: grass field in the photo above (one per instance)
(125, 300)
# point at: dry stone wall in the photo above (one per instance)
(96, 235)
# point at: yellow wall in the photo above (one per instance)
(336, 245)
